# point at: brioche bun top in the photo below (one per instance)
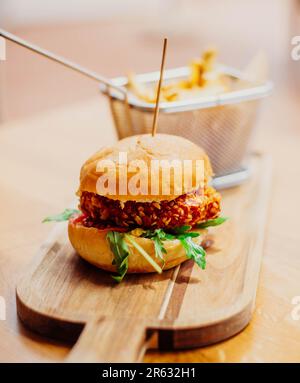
(145, 148)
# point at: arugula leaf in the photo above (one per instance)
(157, 236)
(152, 233)
(143, 253)
(183, 232)
(120, 251)
(181, 229)
(194, 251)
(211, 222)
(64, 216)
(159, 250)
(169, 236)
(188, 234)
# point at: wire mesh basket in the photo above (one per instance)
(221, 124)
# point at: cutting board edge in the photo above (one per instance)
(169, 336)
(180, 337)
(40, 323)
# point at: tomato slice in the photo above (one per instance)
(78, 218)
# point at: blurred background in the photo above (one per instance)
(114, 37)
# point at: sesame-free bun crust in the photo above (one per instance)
(146, 148)
(91, 244)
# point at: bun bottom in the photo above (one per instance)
(91, 245)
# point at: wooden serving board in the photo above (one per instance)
(62, 296)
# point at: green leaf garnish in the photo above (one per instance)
(189, 234)
(143, 253)
(157, 236)
(181, 229)
(120, 251)
(64, 216)
(211, 222)
(181, 233)
(194, 251)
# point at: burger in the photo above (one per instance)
(144, 205)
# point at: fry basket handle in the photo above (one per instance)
(67, 63)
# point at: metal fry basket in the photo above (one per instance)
(221, 124)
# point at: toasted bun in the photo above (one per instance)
(91, 244)
(146, 148)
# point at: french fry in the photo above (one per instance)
(203, 79)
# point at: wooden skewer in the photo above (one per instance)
(154, 125)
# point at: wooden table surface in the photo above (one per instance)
(40, 158)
